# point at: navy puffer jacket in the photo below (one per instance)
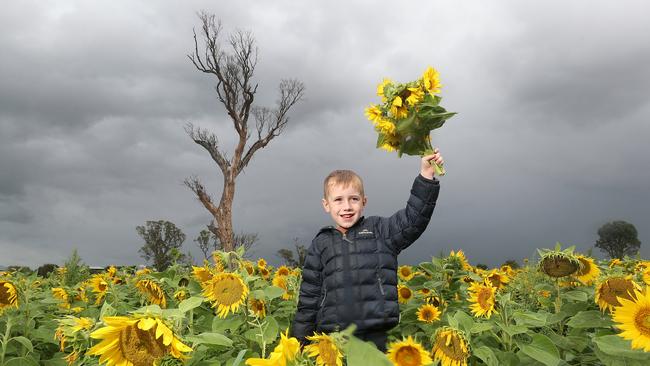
(352, 278)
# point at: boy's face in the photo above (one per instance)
(344, 204)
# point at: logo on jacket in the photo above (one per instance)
(365, 232)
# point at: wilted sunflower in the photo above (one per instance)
(460, 258)
(281, 282)
(497, 279)
(428, 313)
(257, 307)
(8, 295)
(181, 295)
(99, 287)
(408, 352)
(589, 271)
(405, 273)
(608, 292)
(71, 358)
(283, 271)
(633, 317)
(615, 262)
(135, 341)
(61, 294)
(557, 263)
(482, 299)
(404, 294)
(324, 349)
(70, 325)
(249, 267)
(450, 347)
(435, 300)
(153, 291)
(226, 291)
(264, 272)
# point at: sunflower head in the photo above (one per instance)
(431, 80)
(633, 318)
(588, 271)
(408, 352)
(374, 113)
(226, 291)
(135, 341)
(428, 313)
(8, 295)
(325, 350)
(283, 271)
(482, 299)
(497, 279)
(152, 291)
(404, 294)
(558, 263)
(612, 289)
(405, 273)
(261, 263)
(283, 283)
(257, 307)
(450, 347)
(201, 274)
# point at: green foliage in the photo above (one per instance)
(618, 239)
(75, 270)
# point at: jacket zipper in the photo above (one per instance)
(324, 297)
(381, 286)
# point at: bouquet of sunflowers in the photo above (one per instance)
(407, 114)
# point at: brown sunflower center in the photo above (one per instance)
(427, 314)
(558, 266)
(484, 297)
(4, 294)
(405, 293)
(642, 321)
(616, 287)
(586, 267)
(327, 352)
(408, 356)
(227, 290)
(452, 347)
(141, 347)
(405, 272)
(102, 286)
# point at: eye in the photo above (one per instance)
(338, 199)
(355, 198)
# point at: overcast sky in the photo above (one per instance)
(550, 141)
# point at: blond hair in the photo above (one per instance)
(344, 178)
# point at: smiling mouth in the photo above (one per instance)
(347, 216)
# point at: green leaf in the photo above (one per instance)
(239, 358)
(231, 324)
(486, 355)
(272, 292)
(575, 295)
(25, 342)
(465, 321)
(217, 339)
(272, 330)
(22, 361)
(191, 303)
(541, 349)
(614, 345)
(530, 318)
(406, 123)
(590, 319)
(360, 353)
(480, 328)
(513, 329)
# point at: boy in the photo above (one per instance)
(350, 273)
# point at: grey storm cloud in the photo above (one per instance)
(549, 142)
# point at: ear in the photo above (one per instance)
(326, 205)
(365, 201)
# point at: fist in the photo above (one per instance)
(427, 168)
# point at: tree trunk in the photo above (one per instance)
(224, 215)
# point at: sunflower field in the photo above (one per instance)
(562, 308)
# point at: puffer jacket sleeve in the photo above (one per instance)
(407, 224)
(304, 322)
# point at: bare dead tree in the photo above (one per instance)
(233, 70)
